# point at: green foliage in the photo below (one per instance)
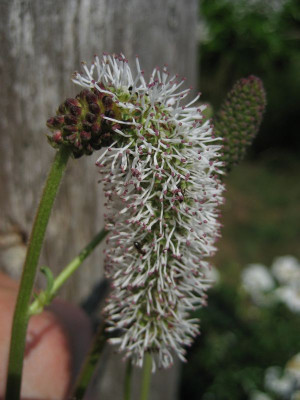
(252, 38)
(261, 214)
(44, 298)
(238, 343)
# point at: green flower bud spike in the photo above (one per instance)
(239, 119)
(79, 124)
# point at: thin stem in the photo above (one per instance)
(127, 383)
(38, 305)
(21, 316)
(90, 364)
(146, 377)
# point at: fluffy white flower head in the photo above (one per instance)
(161, 182)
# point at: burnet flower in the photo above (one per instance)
(160, 175)
(239, 118)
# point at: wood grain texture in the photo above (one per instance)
(42, 43)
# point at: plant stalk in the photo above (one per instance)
(21, 315)
(146, 377)
(127, 383)
(90, 364)
(38, 305)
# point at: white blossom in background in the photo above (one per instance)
(290, 296)
(296, 395)
(280, 283)
(260, 396)
(256, 277)
(285, 382)
(279, 382)
(257, 281)
(286, 270)
(293, 366)
(163, 193)
(213, 275)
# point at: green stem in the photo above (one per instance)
(39, 303)
(146, 377)
(90, 364)
(21, 316)
(127, 383)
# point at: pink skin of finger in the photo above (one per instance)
(56, 342)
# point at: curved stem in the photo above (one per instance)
(21, 316)
(127, 383)
(90, 364)
(39, 303)
(146, 377)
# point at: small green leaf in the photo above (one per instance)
(49, 277)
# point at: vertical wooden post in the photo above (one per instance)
(42, 43)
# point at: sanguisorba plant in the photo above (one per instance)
(161, 182)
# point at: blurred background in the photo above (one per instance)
(252, 323)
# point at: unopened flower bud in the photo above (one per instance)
(75, 110)
(239, 118)
(61, 109)
(55, 122)
(70, 119)
(85, 135)
(95, 128)
(69, 129)
(91, 117)
(107, 101)
(81, 122)
(72, 102)
(57, 137)
(91, 98)
(94, 108)
(109, 114)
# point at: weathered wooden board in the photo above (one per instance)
(42, 43)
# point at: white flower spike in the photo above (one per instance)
(161, 181)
